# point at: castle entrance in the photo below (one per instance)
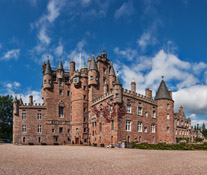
(77, 141)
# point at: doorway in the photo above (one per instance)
(77, 141)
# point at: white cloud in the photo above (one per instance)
(9, 85)
(128, 53)
(79, 55)
(17, 84)
(11, 54)
(194, 99)
(59, 50)
(126, 9)
(43, 37)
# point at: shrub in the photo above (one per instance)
(43, 143)
(55, 143)
(30, 143)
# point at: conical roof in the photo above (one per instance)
(60, 66)
(117, 80)
(93, 65)
(48, 68)
(162, 92)
(111, 71)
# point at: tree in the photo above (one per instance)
(6, 117)
(204, 130)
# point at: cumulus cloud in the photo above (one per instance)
(126, 10)
(79, 55)
(11, 54)
(59, 50)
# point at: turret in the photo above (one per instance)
(133, 86)
(72, 68)
(93, 72)
(165, 114)
(15, 106)
(47, 77)
(112, 77)
(30, 100)
(117, 91)
(60, 71)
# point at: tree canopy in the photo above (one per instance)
(6, 117)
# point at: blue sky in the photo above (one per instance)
(145, 39)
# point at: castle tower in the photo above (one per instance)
(79, 101)
(47, 76)
(112, 77)
(60, 71)
(93, 72)
(133, 86)
(164, 115)
(117, 91)
(15, 106)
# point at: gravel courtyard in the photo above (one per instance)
(92, 160)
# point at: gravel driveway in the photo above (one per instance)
(92, 160)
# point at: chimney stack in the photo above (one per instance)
(148, 93)
(30, 100)
(170, 92)
(133, 86)
(72, 67)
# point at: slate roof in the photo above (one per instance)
(48, 68)
(162, 92)
(93, 65)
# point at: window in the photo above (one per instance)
(84, 109)
(61, 112)
(24, 128)
(68, 93)
(39, 116)
(153, 128)
(128, 108)
(39, 139)
(176, 132)
(93, 133)
(145, 129)
(84, 88)
(168, 106)
(84, 129)
(61, 83)
(111, 109)
(100, 127)
(153, 114)
(104, 71)
(53, 130)
(89, 114)
(23, 116)
(45, 81)
(139, 110)
(128, 125)
(177, 122)
(60, 92)
(179, 132)
(61, 130)
(101, 112)
(168, 129)
(68, 131)
(112, 125)
(146, 114)
(182, 122)
(39, 128)
(117, 95)
(84, 97)
(139, 126)
(168, 116)
(91, 77)
(23, 139)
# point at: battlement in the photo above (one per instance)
(138, 96)
(99, 99)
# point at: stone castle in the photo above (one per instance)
(89, 106)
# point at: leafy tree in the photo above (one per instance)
(204, 130)
(6, 117)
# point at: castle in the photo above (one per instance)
(90, 106)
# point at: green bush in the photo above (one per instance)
(178, 139)
(171, 146)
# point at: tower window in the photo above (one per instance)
(168, 116)
(39, 129)
(146, 114)
(39, 116)
(168, 106)
(61, 83)
(53, 130)
(24, 128)
(61, 112)
(84, 88)
(84, 97)
(112, 125)
(128, 108)
(168, 129)
(153, 114)
(128, 125)
(139, 110)
(60, 130)
(139, 126)
(23, 116)
(60, 92)
(153, 128)
(145, 129)
(68, 93)
(91, 77)
(100, 127)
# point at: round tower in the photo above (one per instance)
(47, 76)
(79, 101)
(164, 115)
(117, 91)
(112, 77)
(93, 73)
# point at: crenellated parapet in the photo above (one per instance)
(138, 96)
(102, 98)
